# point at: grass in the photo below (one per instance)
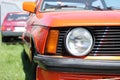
(11, 67)
(11, 63)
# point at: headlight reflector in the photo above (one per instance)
(79, 41)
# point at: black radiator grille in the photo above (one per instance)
(60, 45)
(107, 41)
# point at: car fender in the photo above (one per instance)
(39, 37)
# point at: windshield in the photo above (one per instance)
(113, 4)
(55, 5)
(17, 17)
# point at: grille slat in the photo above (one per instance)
(108, 39)
(108, 42)
(106, 52)
(107, 36)
(108, 30)
(110, 33)
(107, 48)
(107, 45)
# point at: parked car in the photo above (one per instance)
(74, 39)
(13, 25)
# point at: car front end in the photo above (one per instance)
(77, 40)
(88, 49)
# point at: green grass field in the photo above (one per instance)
(11, 62)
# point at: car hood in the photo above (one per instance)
(79, 18)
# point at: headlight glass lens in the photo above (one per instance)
(79, 41)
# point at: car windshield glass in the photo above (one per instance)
(49, 5)
(113, 4)
(55, 5)
(16, 17)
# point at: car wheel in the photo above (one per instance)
(5, 39)
(29, 67)
(32, 73)
(25, 56)
(33, 64)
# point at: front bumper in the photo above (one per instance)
(55, 75)
(53, 63)
(11, 33)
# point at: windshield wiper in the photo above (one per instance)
(59, 6)
(96, 8)
(65, 6)
(109, 8)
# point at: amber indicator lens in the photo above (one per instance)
(52, 41)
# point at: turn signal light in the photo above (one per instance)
(52, 41)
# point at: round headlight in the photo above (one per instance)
(79, 41)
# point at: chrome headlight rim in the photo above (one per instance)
(89, 49)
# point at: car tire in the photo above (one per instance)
(33, 64)
(5, 39)
(32, 73)
(29, 67)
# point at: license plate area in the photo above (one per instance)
(19, 29)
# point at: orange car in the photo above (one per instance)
(74, 39)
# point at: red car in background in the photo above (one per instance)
(13, 25)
